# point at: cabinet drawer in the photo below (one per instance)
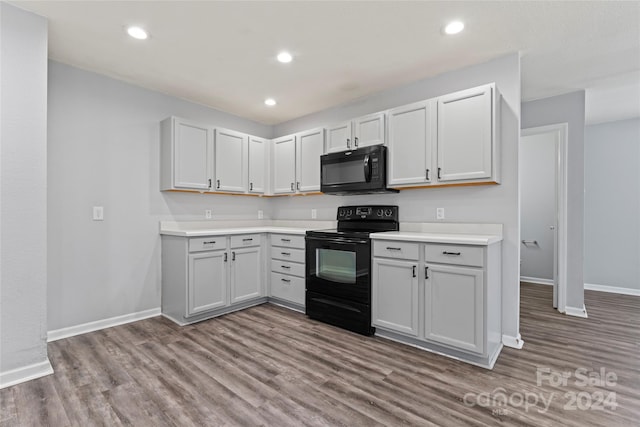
(288, 240)
(392, 249)
(287, 254)
(286, 267)
(243, 240)
(454, 254)
(207, 243)
(289, 288)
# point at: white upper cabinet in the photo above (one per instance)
(257, 162)
(186, 151)
(231, 160)
(369, 130)
(284, 164)
(466, 135)
(361, 132)
(309, 148)
(411, 136)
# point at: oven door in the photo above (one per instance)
(339, 267)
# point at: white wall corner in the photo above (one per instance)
(84, 328)
(25, 373)
(576, 312)
(513, 342)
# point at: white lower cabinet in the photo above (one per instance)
(444, 298)
(207, 276)
(207, 283)
(454, 306)
(395, 295)
(288, 284)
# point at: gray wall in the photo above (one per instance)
(23, 188)
(491, 204)
(569, 109)
(104, 151)
(612, 204)
(537, 204)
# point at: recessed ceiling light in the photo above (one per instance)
(137, 33)
(284, 57)
(270, 102)
(454, 27)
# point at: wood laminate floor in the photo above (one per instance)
(270, 366)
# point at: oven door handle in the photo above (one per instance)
(367, 169)
(337, 240)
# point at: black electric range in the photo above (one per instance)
(338, 267)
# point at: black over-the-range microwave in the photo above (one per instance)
(360, 171)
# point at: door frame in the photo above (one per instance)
(560, 260)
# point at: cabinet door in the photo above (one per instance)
(284, 165)
(231, 160)
(395, 295)
(310, 146)
(246, 274)
(454, 306)
(465, 134)
(411, 129)
(257, 159)
(207, 285)
(369, 130)
(339, 137)
(193, 155)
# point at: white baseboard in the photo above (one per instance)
(26, 373)
(513, 342)
(71, 331)
(536, 280)
(612, 289)
(576, 312)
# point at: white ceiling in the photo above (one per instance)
(222, 54)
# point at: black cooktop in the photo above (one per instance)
(360, 221)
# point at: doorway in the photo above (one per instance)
(542, 171)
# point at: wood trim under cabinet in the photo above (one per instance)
(458, 184)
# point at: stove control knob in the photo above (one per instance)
(388, 212)
(341, 212)
(379, 212)
(350, 212)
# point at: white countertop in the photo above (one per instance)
(451, 238)
(218, 228)
(452, 233)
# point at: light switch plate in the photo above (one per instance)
(439, 213)
(207, 213)
(98, 213)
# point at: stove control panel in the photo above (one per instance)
(368, 213)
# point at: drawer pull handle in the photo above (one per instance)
(286, 266)
(286, 280)
(233, 256)
(247, 240)
(285, 253)
(450, 253)
(285, 240)
(426, 272)
(213, 242)
(413, 272)
(389, 248)
(225, 257)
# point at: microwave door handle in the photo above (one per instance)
(367, 169)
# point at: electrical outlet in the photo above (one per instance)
(314, 213)
(260, 214)
(98, 213)
(207, 214)
(439, 213)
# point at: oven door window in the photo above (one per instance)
(336, 266)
